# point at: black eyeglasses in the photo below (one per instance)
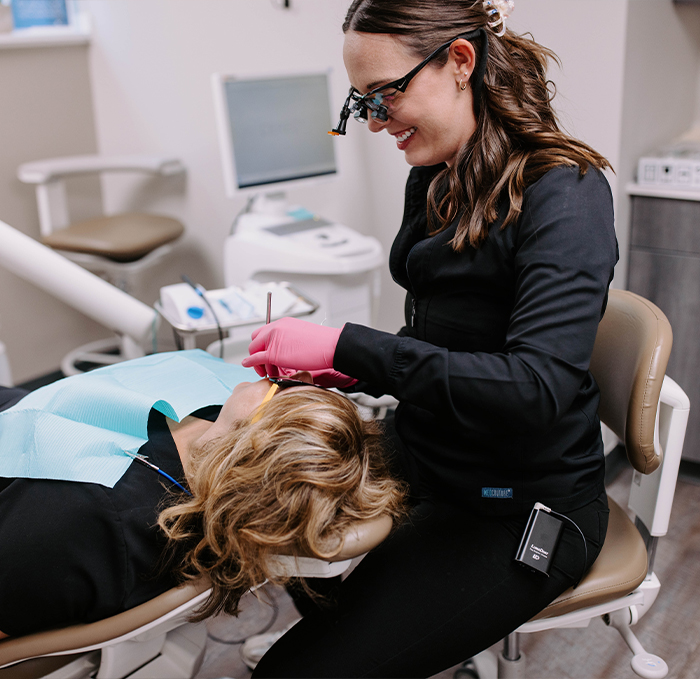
(374, 101)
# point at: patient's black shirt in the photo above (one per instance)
(75, 552)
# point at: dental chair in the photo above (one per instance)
(648, 411)
(155, 640)
(115, 247)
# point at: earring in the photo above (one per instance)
(462, 84)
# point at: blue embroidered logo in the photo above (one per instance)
(497, 493)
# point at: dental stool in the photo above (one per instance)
(116, 247)
(155, 640)
(648, 411)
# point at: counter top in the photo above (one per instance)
(47, 36)
(634, 189)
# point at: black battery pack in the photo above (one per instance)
(540, 540)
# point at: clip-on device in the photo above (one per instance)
(541, 537)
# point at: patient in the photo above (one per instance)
(287, 476)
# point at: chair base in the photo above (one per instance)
(620, 614)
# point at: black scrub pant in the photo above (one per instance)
(442, 588)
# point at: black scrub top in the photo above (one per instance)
(498, 409)
(75, 552)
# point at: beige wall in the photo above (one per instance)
(45, 110)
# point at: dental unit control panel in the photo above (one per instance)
(299, 242)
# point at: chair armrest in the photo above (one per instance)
(673, 395)
(51, 169)
(651, 496)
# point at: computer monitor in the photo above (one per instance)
(273, 131)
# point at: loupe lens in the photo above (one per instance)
(361, 115)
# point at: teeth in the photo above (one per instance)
(403, 137)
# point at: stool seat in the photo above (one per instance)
(619, 569)
(120, 238)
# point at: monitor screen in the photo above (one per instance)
(274, 130)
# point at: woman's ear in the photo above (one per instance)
(462, 57)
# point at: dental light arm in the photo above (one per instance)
(75, 286)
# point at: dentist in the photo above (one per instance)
(506, 252)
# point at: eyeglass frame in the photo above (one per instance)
(284, 382)
(373, 99)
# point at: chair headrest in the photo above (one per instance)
(629, 362)
(360, 538)
(363, 537)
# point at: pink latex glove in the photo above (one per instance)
(323, 378)
(332, 378)
(291, 343)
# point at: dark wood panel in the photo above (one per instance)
(672, 282)
(666, 224)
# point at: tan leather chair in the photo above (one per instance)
(116, 247)
(154, 640)
(648, 412)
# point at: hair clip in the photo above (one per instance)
(503, 9)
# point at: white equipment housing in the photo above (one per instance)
(331, 263)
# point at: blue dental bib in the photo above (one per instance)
(78, 428)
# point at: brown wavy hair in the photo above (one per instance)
(292, 482)
(517, 138)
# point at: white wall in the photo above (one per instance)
(628, 67)
(588, 36)
(151, 62)
(662, 67)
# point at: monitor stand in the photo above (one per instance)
(272, 203)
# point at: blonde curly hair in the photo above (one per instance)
(292, 482)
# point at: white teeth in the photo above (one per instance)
(403, 137)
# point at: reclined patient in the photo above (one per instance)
(282, 470)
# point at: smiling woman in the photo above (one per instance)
(506, 251)
(231, 492)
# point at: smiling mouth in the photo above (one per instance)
(400, 138)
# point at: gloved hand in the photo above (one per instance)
(332, 378)
(291, 343)
(323, 378)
